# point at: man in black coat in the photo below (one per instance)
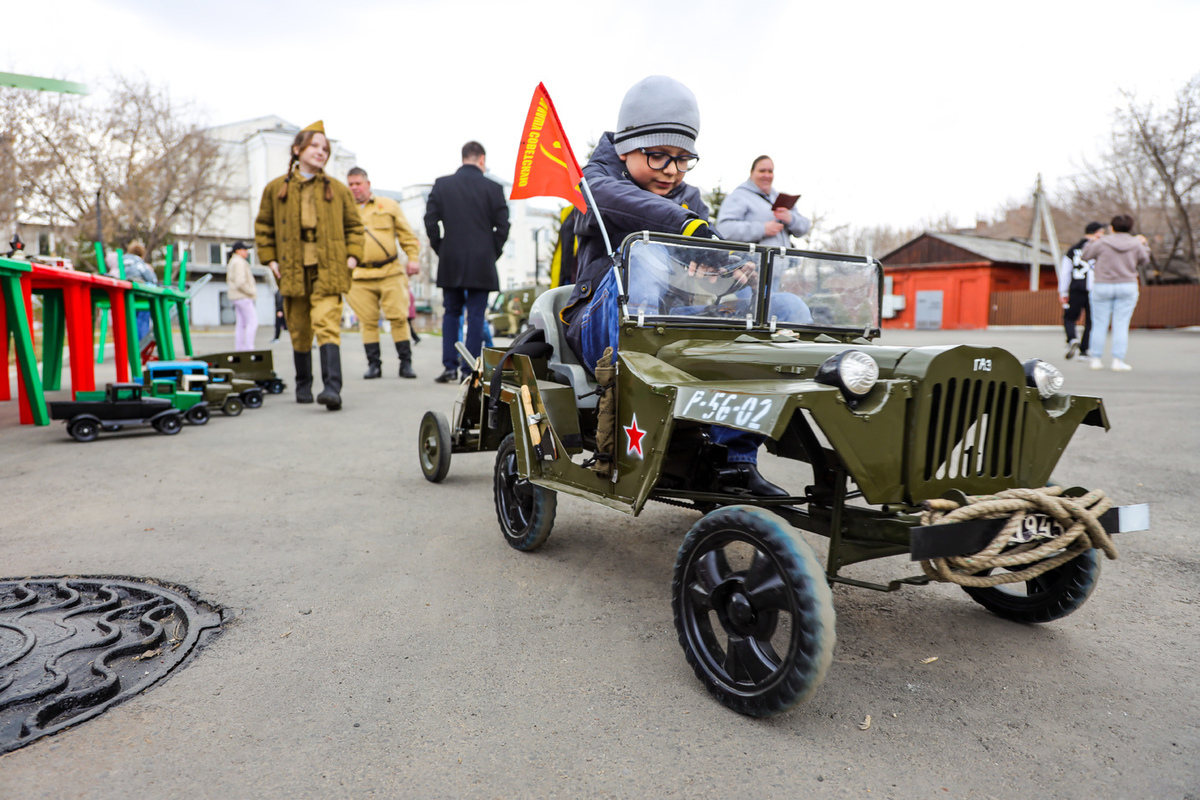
(474, 227)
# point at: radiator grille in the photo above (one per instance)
(973, 430)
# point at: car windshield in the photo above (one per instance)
(709, 283)
(824, 290)
(703, 284)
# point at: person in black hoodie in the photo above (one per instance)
(636, 178)
(1074, 284)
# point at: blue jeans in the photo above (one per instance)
(599, 328)
(454, 300)
(1115, 302)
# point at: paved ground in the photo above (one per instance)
(389, 644)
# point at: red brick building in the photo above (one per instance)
(945, 280)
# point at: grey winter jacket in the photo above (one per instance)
(1117, 257)
(626, 208)
(746, 211)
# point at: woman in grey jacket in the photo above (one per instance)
(747, 216)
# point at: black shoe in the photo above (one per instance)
(745, 479)
(331, 375)
(374, 367)
(304, 376)
(404, 350)
(449, 376)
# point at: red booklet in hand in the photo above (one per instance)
(785, 201)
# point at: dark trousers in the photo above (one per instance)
(1078, 303)
(454, 301)
(280, 318)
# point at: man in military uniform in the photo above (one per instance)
(381, 280)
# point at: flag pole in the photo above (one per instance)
(596, 210)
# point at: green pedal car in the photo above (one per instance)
(943, 454)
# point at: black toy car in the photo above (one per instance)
(122, 406)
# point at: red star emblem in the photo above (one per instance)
(635, 438)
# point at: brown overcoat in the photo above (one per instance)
(339, 235)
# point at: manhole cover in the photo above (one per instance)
(72, 647)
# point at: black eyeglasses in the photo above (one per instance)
(659, 161)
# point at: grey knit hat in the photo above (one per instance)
(657, 111)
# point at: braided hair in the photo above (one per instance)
(303, 139)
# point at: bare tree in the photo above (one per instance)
(1151, 169)
(142, 157)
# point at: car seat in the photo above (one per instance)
(563, 364)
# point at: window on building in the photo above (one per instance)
(214, 254)
(43, 244)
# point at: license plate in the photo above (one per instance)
(1037, 526)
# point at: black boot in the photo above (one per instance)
(374, 366)
(404, 350)
(744, 478)
(303, 376)
(331, 375)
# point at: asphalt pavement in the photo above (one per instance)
(384, 641)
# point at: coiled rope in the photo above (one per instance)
(1079, 517)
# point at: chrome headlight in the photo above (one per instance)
(1043, 376)
(853, 371)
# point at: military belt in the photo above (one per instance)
(383, 263)
(308, 234)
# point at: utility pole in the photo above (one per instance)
(1041, 214)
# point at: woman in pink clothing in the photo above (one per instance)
(242, 294)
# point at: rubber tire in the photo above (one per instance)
(197, 415)
(526, 514)
(1050, 596)
(169, 426)
(85, 430)
(805, 596)
(232, 406)
(433, 446)
(275, 387)
(252, 398)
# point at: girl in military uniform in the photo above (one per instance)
(309, 232)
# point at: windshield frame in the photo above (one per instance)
(767, 260)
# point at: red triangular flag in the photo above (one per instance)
(546, 166)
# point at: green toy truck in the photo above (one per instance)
(251, 365)
(191, 404)
(943, 454)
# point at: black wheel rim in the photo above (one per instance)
(732, 616)
(515, 496)
(85, 431)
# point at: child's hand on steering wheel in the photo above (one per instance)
(744, 273)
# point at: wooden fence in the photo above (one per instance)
(1173, 306)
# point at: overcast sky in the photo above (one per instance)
(875, 112)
